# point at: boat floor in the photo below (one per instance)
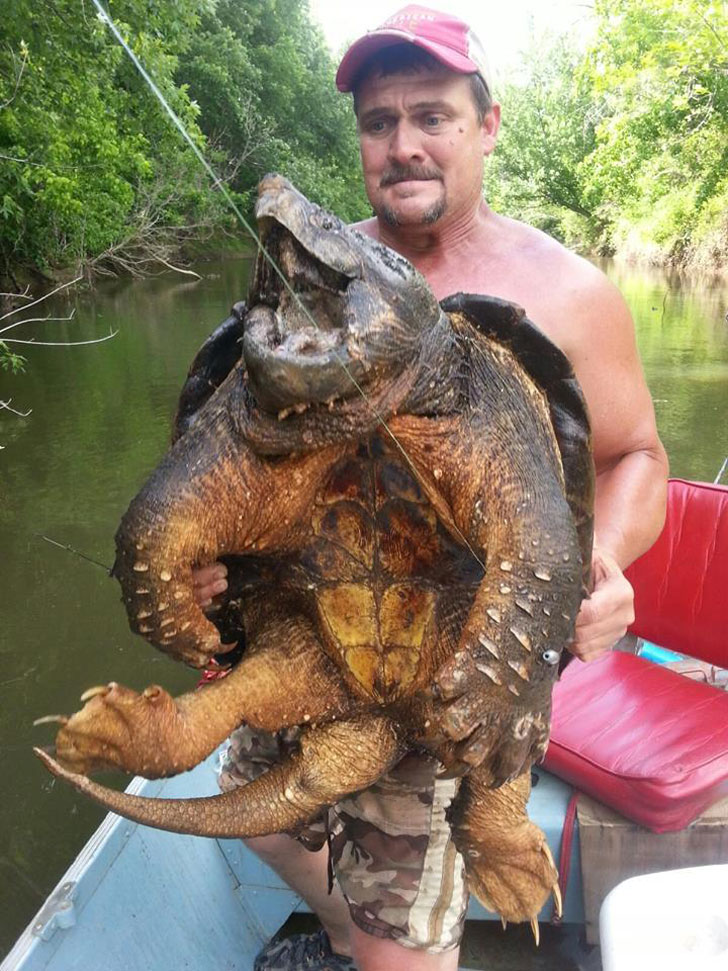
(140, 898)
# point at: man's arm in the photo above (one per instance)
(630, 503)
(631, 464)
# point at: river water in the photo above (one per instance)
(100, 422)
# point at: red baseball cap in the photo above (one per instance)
(447, 38)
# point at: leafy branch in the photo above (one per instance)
(151, 238)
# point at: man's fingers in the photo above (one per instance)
(203, 595)
(597, 643)
(205, 576)
(604, 618)
(613, 614)
(588, 614)
(591, 654)
(207, 582)
(612, 600)
(604, 565)
(599, 631)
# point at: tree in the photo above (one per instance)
(625, 147)
(264, 80)
(80, 136)
(548, 130)
(660, 163)
(92, 173)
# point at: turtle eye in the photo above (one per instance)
(550, 657)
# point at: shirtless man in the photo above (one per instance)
(426, 122)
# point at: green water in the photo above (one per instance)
(100, 421)
(682, 334)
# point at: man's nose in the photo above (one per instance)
(405, 144)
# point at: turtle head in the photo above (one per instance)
(327, 304)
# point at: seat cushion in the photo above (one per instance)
(680, 584)
(642, 739)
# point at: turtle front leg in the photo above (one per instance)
(334, 760)
(508, 863)
(492, 694)
(286, 680)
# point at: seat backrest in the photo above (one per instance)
(681, 583)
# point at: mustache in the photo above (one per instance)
(405, 173)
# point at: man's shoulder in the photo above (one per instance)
(566, 295)
(569, 281)
(533, 249)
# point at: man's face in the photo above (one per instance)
(421, 145)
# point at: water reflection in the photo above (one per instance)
(682, 334)
(100, 422)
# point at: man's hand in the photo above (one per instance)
(207, 582)
(607, 614)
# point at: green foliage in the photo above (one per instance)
(9, 361)
(264, 81)
(81, 138)
(548, 129)
(626, 146)
(663, 150)
(91, 170)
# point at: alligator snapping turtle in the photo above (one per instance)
(407, 488)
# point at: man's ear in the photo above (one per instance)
(489, 128)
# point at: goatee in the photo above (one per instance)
(429, 216)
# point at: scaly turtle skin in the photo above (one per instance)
(404, 491)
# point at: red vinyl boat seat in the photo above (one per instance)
(681, 583)
(637, 736)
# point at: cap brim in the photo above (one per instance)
(360, 52)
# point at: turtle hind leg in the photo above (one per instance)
(509, 865)
(286, 679)
(334, 760)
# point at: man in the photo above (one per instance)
(422, 98)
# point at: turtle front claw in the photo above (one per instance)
(119, 729)
(481, 718)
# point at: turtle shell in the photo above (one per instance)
(551, 371)
(211, 365)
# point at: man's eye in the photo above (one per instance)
(376, 127)
(432, 121)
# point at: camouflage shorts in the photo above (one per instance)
(390, 845)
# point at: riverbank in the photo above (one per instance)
(32, 280)
(704, 253)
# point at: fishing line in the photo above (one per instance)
(218, 183)
(71, 549)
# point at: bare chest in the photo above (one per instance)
(534, 284)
